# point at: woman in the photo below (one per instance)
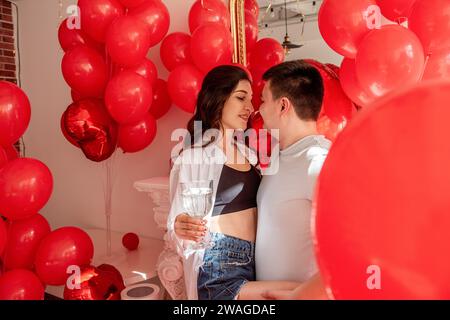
(226, 270)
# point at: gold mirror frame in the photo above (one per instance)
(237, 13)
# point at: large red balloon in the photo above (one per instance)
(132, 3)
(156, 16)
(430, 21)
(184, 84)
(342, 24)
(3, 157)
(128, 97)
(384, 224)
(351, 86)
(85, 71)
(388, 59)
(25, 187)
(60, 249)
(253, 7)
(176, 50)
(438, 65)
(211, 46)
(97, 16)
(15, 113)
(208, 11)
(70, 38)
(128, 41)
(137, 136)
(90, 125)
(395, 9)
(147, 69)
(251, 30)
(266, 53)
(24, 237)
(21, 285)
(3, 236)
(161, 99)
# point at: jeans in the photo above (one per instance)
(227, 267)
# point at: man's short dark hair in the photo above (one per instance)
(301, 83)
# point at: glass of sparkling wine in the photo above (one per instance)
(197, 201)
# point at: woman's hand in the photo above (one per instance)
(188, 228)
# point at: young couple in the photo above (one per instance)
(260, 226)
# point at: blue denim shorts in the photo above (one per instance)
(227, 267)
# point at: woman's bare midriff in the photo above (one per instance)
(240, 224)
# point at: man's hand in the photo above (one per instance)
(313, 289)
(280, 295)
(188, 228)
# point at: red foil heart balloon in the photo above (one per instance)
(89, 123)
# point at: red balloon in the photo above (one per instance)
(184, 84)
(342, 24)
(266, 53)
(430, 21)
(102, 283)
(21, 285)
(11, 152)
(351, 86)
(24, 237)
(253, 7)
(3, 237)
(132, 3)
(176, 50)
(147, 69)
(3, 157)
(211, 46)
(336, 105)
(128, 41)
(395, 9)
(70, 38)
(438, 65)
(329, 128)
(25, 187)
(161, 100)
(97, 16)
(15, 113)
(263, 142)
(251, 30)
(90, 125)
(384, 220)
(85, 71)
(60, 249)
(156, 16)
(130, 241)
(257, 87)
(128, 97)
(208, 11)
(137, 136)
(64, 132)
(388, 59)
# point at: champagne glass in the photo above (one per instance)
(197, 201)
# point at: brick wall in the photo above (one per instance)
(7, 50)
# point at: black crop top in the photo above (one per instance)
(236, 190)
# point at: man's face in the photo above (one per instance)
(270, 109)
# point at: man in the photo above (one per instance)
(291, 102)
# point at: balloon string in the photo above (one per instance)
(108, 190)
(425, 66)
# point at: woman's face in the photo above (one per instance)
(238, 108)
